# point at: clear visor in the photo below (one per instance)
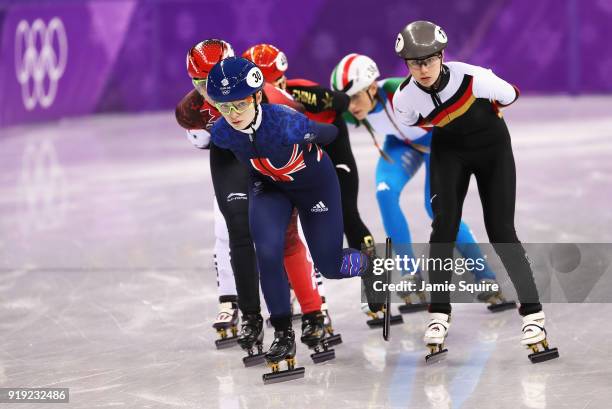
(424, 62)
(238, 106)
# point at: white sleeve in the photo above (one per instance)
(403, 110)
(199, 137)
(489, 86)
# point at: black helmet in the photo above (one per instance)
(420, 39)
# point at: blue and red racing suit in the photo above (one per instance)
(288, 169)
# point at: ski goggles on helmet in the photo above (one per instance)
(238, 106)
(199, 84)
(424, 62)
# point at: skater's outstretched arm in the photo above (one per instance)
(323, 133)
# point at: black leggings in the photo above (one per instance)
(230, 180)
(342, 157)
(493, 167)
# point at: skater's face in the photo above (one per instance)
(281, 83)
(363, 102)
(239, 114)
(427, 71)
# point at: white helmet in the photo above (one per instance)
(354, 73)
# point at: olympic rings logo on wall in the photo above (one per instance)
(36, 58)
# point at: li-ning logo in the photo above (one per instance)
(41, 51)
(236, 196)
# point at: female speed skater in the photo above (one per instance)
(288, 169)
(238, 281)
(404, 151)
(461, 102)
(327, 106)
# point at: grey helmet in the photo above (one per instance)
(420, 39)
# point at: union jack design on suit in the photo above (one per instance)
(282, 174)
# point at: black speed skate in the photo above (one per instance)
(226, 323)
(282, 349)
(313, 335)
(377, 319)
(251, 338)
(496, 300)
(376, 302)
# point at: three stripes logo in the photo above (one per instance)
(319, 208)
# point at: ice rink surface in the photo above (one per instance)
(107, 285)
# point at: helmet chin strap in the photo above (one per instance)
(436, 85)
(373, 99)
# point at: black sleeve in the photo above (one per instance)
(318, 99)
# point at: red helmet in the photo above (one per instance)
(202, 56)
(271, 61)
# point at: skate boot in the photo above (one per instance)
(534, 337)
(251, 338)
(496, 300)
(282, 348)
(331, 338)
(415, 301)
(368, 246)
(368, 278)
(435, 335)
(313, 335)
(227, 320)
(377, 319)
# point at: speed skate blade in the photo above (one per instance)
(410, 308)
(226, 342)
(379, 322)
(544, 356)
(502, 306)
(436, 356)
(323, 356)
(333, 340)
(387, 321)
(254, 360)
(283, 376)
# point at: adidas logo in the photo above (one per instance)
(319, 208)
